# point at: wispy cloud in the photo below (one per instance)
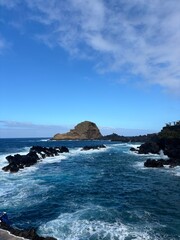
(139, 37)
(9, 3)
(4, 45)
(28, 129)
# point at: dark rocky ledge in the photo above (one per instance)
(171, 148)
(36, 153)
(96, 147)
(166, 141)
(161, 163)
(27, 234)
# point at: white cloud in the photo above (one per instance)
(139, 37)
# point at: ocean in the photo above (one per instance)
(102, 194)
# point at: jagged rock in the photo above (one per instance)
(36, 153)
(12, 167)
(170, 146)
(83, 131)
(161, 163)
(96, 147)
(153, 163)
(168, 140)
(149, 147)
(134, 149)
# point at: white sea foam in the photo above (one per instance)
(17, 192)
(175, 171)
(54, 159)
(134, 145)
(44, 140)
(149, 155)
(140, 165)
(73, 226)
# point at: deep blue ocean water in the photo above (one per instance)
(91, 195)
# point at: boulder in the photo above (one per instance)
(96, 147)
(149, 147)
(12, 167)
(154, 163)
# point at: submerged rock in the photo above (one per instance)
(96, 147)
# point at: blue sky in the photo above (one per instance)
(113, 62)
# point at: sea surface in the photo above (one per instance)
(91, 195)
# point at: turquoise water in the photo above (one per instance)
(98, 194)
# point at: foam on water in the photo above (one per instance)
(134, 145)
(44, 140)
(73, 226)
(175, 171)
(54, 159)
(149, 155)
(16, 190)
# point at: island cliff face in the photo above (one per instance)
(83, 131)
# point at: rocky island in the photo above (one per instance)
(83, 131)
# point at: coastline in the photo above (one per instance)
(6, 235)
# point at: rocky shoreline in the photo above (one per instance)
(168, 146)
(167, 141)
(23, 234)
(38, 153)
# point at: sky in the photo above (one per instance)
(112, 62)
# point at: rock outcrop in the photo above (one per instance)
(35, 154)
(96, 147)
(168, 141)
(83, 131)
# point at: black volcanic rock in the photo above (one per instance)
(168, 140)
(96, 147)
(154, 163)
(149, 147)
(170, 146)
(35, 154)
